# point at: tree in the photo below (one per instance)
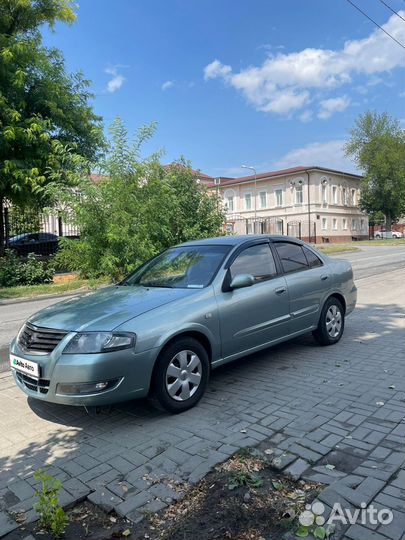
(137, 209)
(377, 144)
(48, 129)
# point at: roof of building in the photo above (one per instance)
(197, 173)
(225, 181)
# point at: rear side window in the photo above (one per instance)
(292, 257)
(313, 260)
(256, 260)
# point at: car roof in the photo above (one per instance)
(239, 240)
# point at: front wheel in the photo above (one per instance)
(331, 323)
(181, 375)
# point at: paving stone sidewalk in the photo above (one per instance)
(334, 415)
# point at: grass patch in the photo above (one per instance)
(31, 291)
(384, 242)
(330, 249)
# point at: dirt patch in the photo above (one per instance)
(244, 498)
(85, 521)
(65, 278)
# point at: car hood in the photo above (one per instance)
(105, 309)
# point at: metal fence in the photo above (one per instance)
(28, 230)
(272, 225)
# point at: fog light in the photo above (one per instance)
(85, 388)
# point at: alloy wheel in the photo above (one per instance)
(183, 375)
(333, 321)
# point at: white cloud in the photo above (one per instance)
(306, 116)
(216, 69)
(166, 85)
(318, 70)
(326, 154)
(332, 105)
(117, 80)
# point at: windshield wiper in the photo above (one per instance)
(161, 286)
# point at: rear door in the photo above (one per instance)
(308, 281)
(255, 315)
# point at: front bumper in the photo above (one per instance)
(132, 372)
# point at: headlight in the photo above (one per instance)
(97, 342)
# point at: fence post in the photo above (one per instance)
(314, 232)
(299, 230)
(60, 226)
(6, 226)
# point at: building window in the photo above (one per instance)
(279, 226)
(249, 228)
(324, 195)
(362, 224)
(334, 195)
(229, 204)
(353, 197)
(354, 224)
(334, 224)
(344, 196)
(263, 199)
(344, 224)
(299, 195)
(279, 197)
(248, 201)
(324, 224)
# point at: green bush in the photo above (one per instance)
(31, 271)
(136, 210)
(52, 517)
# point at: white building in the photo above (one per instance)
(314, 203)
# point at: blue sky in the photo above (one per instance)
(268, 83)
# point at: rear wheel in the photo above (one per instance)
(331, 323)
(181, 375)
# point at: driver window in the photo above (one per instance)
(256, 260)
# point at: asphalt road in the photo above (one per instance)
(368, 262)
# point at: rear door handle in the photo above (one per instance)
(324, 277)
(280, 290)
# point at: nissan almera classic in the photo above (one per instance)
(188, 310)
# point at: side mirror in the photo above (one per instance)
(242, 280)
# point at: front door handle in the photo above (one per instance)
(324, 277)
(280, 290)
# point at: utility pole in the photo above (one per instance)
(255, 202)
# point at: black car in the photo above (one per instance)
(38, 243)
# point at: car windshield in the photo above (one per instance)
(188, 267)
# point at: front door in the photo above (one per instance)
(253, 316)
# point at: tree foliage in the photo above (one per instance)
(136, 209)
(47, 127)
(377, 144)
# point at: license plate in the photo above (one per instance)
(26, 366)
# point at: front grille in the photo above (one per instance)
(35, 339)
(35, 385)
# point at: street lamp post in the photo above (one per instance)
(255, 206)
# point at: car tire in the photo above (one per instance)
(377, 236)
(181, 375)
(331, 323)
